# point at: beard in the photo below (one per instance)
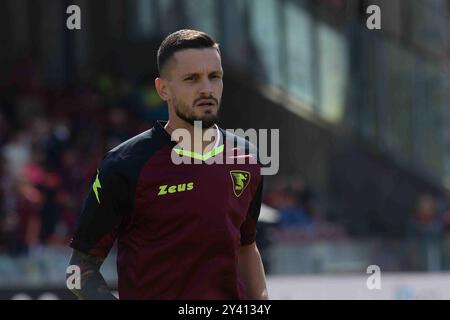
(185, 113)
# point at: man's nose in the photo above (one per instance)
(206, 87)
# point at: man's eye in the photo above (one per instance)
(189, 78)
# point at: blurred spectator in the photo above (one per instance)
(71, 194)
(17, 153)
(302, 215)
(57, 142)
(292, 213)
(29, 205)
(426, 221)
(426, 230)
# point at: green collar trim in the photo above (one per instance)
(214, 152)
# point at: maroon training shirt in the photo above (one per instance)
(178, 227)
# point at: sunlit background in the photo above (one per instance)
(364, 120)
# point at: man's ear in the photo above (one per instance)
(161, 87)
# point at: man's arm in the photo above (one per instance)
(93, 285)
(252, 272)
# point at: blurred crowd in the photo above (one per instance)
(302, 212)
(51, 140)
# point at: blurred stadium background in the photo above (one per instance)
(364, 123)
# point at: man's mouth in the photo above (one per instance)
(206, 103)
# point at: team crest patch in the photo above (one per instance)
(240, 181)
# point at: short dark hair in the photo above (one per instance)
(180, 40)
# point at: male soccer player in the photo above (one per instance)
(184, 231)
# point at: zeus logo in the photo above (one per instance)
(165, 189)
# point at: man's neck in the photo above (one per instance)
(197, 134)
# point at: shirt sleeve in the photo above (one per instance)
(104, 210)
(248, 228)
